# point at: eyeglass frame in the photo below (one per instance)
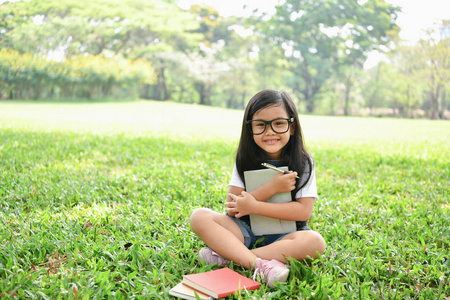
(249, 125)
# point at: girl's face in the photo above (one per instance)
(271, 142)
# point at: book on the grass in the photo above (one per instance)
(184, 292)
(262, 225)
(219, 283)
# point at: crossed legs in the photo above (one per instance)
(224, 236)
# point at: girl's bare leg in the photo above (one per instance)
(299, 245)
(222, 235)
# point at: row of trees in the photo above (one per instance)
(314, 49)
(415, 81)
(28, 76)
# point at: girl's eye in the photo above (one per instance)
(260, 124)
(280, 123)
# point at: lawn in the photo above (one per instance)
(96, 197)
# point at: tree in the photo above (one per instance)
(209, 20)
(27, 76)
(206, 70)
(374, 88)
(318, 36)
(435, 52)
(406, 86)
(90, 27)
(350, 77)
(134, 29)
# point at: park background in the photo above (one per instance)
(317, 51)
(118, 118)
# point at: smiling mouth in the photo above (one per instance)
(270, 142)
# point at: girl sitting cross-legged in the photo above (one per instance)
(271, 132)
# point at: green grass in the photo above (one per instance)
(95, 201)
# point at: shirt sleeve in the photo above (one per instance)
(310, 188)
(236, 179)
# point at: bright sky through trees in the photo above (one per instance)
(417, 15)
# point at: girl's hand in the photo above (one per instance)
(242, 205)
(282, 183)
(230, 211)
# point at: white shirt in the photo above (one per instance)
(309, 190)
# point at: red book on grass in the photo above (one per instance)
(219, 283)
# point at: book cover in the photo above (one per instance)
(184, 292)
(219, 283)
(262, 225)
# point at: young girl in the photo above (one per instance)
(271, 133)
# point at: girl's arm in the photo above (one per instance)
(299, 210)
(245, 204)
(280, 183)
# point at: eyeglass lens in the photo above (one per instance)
(277, 125)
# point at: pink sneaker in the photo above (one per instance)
(271, 271)
(211, 257)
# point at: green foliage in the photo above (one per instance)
(134, 29)
(436, 53)
(209, 21)
(78, 76)
(92, 27)
(313, 49)
(104, 214)
(319, 36)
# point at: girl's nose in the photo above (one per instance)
(269, 129)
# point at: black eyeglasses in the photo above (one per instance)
(280, 125)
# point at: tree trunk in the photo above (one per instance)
(435, 103)
(181, 94)
(144, 91)
(310, 105)
(443, 106)
(407, 113)
(208, 94)
(157, 89)
(165, 95)
(201, 92)
(347, 97)
(434, 107)
(308, 90)
(307, 95)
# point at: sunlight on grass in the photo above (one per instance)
(200, 122)
(96, 199)
(135, 118)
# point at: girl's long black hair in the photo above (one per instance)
(250, 156)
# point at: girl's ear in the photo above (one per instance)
(292, 128)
